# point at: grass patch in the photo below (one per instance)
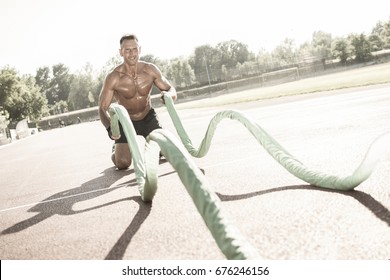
(364, 76)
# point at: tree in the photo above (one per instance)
(361, 47)
(84, 89)
(43, 78)
(386, 34)
(322, 45)
(342, 50)
(20, 96)
(285, 53)
(150, 58)
(305, 53)
(35, 100)
(60, 83)
(8, 81)
(231, 53)
(377, 38)
(54, 82)
(266, 60)
(180, 73)
(59, 108)
(201, 62)
(108, 67)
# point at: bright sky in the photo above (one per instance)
(35, 33)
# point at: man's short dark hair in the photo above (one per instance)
(128, 37)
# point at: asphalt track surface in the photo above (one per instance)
(61, 198)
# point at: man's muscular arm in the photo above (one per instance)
(171, 92)
(105, 99)
(163, 84)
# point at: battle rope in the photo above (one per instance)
(229, 240)
(227, 237)
(288, 161)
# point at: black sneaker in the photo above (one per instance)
(162, 159)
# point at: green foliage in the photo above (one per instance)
(322, 45)
(20, 96)
(266, 60)
(150, 58)
(8, 81)
(59, 108)
(60, 84)
(55, 87)
(376, 37)
(84, 89)
(43, 78)
(180, 73)
(342, 50)
(211, 64)
(361, 46)
(201, 62)
(230, 53)
(386, 34)
(54, 82)
(285, 53)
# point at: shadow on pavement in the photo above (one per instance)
(378, 209)
(63, 202)
(118, 250)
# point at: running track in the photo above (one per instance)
(62, 199)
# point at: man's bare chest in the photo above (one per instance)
(130, 86)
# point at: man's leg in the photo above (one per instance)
(121, 157)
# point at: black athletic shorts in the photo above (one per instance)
(142, 127)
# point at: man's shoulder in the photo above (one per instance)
(116, 72)
(149, 68)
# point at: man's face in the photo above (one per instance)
(130, 51)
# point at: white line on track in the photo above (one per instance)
(56, 199)
(115, 187)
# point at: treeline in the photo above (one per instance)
(56, 90)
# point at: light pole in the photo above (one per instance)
(207, 70)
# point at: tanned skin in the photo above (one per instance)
(130, 84)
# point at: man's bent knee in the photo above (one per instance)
(122, 163)
(121, 156)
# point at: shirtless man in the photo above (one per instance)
(131, 84)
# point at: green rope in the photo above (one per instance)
(228, 238)
(288, 161)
